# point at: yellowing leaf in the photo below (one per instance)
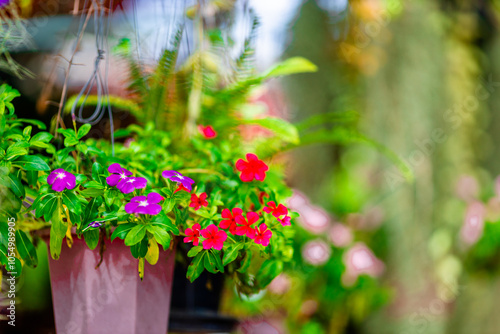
(153, 252)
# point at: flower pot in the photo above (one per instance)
(195, 306)
(110, 298)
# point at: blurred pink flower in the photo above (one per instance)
(128, 141)
(359, 260)
(316, 252)
(314, 219)
(280, 285)
(340, 235)
(472, 228)
(309, 307)
(467, 188)
(297, 201)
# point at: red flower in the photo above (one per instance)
(262, 235)
(197, 202)
(276, 211)
(253, 169)
(193, 234)
(245, 225)
(229, 221)
(285, 221)
(181, 187)
(213, 237)
(207, 131)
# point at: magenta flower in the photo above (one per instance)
(285, 221)
(60, 179)
(244, 226)
(172, 175)
(276, 211)
(117, 174)
(262, 235)
(145, 205)
(213, 237)
(129, 184)
(229, 219)
(193, 234)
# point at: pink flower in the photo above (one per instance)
(340, 235)
(473, 226)
(193, 234)
(280, 285)
(316, 252)
(245, 225)
(276, 211)
(359, 259)
(297, 201)
(314, 219)
(285, 221)
(251, 169)
(60, 179)
(207, 131)
(213, 237)
(229, 221)
(262, 235)
(197, 202)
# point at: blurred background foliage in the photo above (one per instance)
(420, 77)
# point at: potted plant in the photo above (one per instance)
(184, 171)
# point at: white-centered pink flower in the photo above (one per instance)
(359, 260)
(340, 235)
(314, 219)
(316, 252)
(473, 226)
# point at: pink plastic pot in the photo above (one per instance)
(111, 298)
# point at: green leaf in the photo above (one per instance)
(58, 223)
(153, 252)
(194, 251)
(27, 132)
(32, 176)
(122, 230)
(231, 253)
(91, 238)
(245, 263)
(83, 130)
(218, 262)
(140, 249)
(72, 202)
(92, 192)
(55, 243)
(15, 151)
(210, 263)
(26, 249)
(69, 141)
(39, 124)
(268, 271)
(97, 170)
(285, 130)
(291, 66)
(41, 139)
(165, 222)
(31, 162)
(92, 209)
(196, 267)
(135, 235)
(16, 186)
(161, 236)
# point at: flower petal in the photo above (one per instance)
(115, 168)
(154, 198)
(131, 207)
